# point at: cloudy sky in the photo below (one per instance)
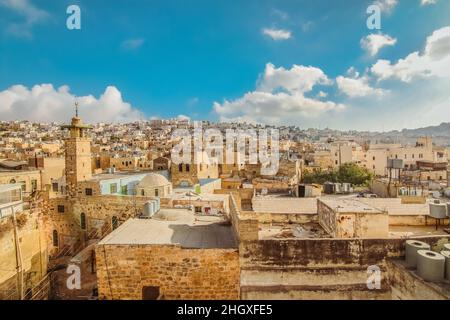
(305, 63)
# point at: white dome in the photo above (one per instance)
(153, 180)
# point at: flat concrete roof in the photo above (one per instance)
(175, 226)
(188, 195)
(349, 205)
(395, 207)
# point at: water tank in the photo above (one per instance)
(308, 191)
(430, 265)
(328, 188)
(150, 208)
(446, 254)
(438, 211)
(346, 187)
(301, 191)
(411, 248)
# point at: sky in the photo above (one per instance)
(304, 63)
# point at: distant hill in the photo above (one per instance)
(442, 130)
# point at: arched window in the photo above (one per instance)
(12, 181)
(83, 221)
(55, 238)
(188, 168)
(156, 192)
(142, 192)
(180, 167)
(114, 222)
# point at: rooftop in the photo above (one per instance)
(175, 226)
(116, 175)
(348, 205)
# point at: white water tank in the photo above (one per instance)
(430, 265)
(411, 248)
(438, 210)
(150, 208)
(446, 254)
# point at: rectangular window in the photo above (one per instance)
(88, 191)
(124, 190)
(60, 208)
(33, 185)
(113, 188)
(55, 186)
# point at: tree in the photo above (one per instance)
(349, 172)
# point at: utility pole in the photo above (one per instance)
(19, 258)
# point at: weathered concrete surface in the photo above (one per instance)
(318, 268)
(407, 285)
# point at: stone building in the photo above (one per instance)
(171, 256)
(78, 155)
(188, 175)
(154, 185)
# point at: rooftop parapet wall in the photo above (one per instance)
(324, 253)
(245, 229)
(352, 219)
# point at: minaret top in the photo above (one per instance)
(76, 127)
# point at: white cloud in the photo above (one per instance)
(279, 97)
(386, 5)
(30, 13)
(357, 87)
(373, 43)
(183, 117)
(427, 2)
(277, 34)
(433, 61)
(299, 79)
(132, 44)
(44, 103)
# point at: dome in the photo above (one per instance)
(153, 180)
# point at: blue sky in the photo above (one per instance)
(170, 58)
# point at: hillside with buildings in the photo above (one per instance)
(109, 201)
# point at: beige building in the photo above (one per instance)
(131, 163)
(154, 185)
(188, 175)
(78, 155)
(30, 180)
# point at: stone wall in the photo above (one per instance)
(318, 268)
(31, 242)
(123, 271)
(99, 212)
(246, 229)
(406, 285)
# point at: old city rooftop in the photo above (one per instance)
(175, 227)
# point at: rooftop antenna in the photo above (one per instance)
(76, 109)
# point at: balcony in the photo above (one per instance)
(10, 199)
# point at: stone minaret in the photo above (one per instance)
(78, 154)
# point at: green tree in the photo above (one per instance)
(348, 172)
